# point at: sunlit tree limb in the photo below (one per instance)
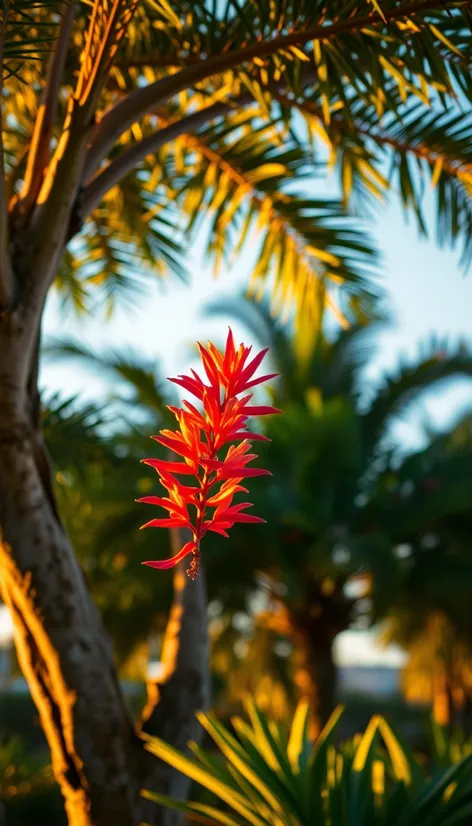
(142, 101)
(38, 155)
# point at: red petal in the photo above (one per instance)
(218, 529)
(211, 369)
(177, 446)
(229, 351)
(211, 464)
(189, 384)
(260, 410)
(253, 365)
(178, 522)
(225, 493)
(260, 380)
(174, 467)
(162, 564)
(156, 500)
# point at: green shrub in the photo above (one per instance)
(264, 776)
(28, 791)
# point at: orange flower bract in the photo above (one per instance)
(201, 437)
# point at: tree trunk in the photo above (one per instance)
(316, 675)
(182, 689)
(325, 614)
(63, 649)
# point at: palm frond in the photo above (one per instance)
(236, 174)
(332, 367)
(74, 434)
(133, 237)
(396, 393)
(139, 377)
(29, 31)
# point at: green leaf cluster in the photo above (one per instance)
(264, 776)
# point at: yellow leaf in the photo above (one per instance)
(442, 37)
(398, 757)
(346, 177)
(378, 777)
(298, 53)
(365, 744)
(266, 170)
(437, 169)
(314, 399)
(323, 255)
(318, 127)
(298, 734)
(325, 108)
(378, 9)
(164, 8)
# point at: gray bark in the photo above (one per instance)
(182, 689)
(63, 648)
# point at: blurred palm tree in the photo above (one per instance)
(327, 556)
(431, 614)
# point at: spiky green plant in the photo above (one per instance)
(266, 776)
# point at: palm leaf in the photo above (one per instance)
(398, 392)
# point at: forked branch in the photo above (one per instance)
(143, 100)
(127, 161)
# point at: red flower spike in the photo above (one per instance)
(201, 434)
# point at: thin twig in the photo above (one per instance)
(141, 101)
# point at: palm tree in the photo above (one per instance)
(126, 124)
(328, 531)
(430, 613)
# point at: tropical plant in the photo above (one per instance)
(334, 520)
(264, 776)
(125, 124)
(199, 441)
(430, 615)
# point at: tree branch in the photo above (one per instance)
(62, 178)
(143, 100)
(6, 270)
(454, 166)
(40, 141)
(128, 160)
(171, 62)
